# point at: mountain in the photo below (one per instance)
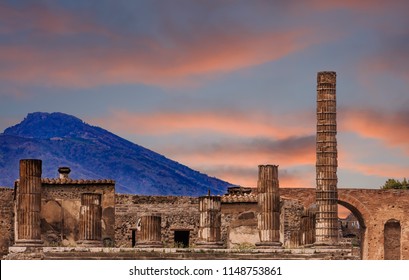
(94, 153)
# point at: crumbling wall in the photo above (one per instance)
(239, 224)
(60, 209)
(290, 220)
(178, 213)
(6, 219)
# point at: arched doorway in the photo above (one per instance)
(392, 235)
(355, 228)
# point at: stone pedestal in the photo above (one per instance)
(269, 205)
(29, 204)
(90, 220)
(326, 165)
(210, 222)
(150, 232)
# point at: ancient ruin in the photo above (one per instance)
(63, 218)
(269, 206)
(326, 231)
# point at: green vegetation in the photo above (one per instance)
(396, 184)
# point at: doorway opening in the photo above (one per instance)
(181, 239)
(392, 235)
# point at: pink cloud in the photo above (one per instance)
(109, 57)
(227, 122)
(391, 128)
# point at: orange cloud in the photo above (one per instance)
(247, 176)
(380, 170)
(50, 57)
(245, 141)
(391, 128)
(145, 60)
(227, 123)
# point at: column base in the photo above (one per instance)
(29, 243)
(210, 245)
(90, 243)
(269, 244)
(149, 244)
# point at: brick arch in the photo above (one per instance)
(357, 208)
(350, 202)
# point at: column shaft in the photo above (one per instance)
(150, 233)
(326, 162)
(29, 203)
(269, 205)
(209, 222)
(90, 220)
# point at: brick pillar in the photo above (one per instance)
(90, 220)
(150, 235)
(326, 165)
(29, 203)
(209, 235)
(269, 205)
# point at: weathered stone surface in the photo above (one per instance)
(6, 219)
(326, 165)
(269, 206)
(29, 203)
(373, 209)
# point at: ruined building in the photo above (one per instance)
(62, 218)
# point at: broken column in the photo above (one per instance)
(269, 204)
(29, 203)
(326, 162)
(308, 227)
(90, 220)
(209, 222)
(150, 232)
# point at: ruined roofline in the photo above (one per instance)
(58, 181)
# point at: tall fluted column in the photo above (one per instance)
(326, 165)
(150, 235)
(90, 220)
(29, 203)
(269, 204)
(209, 222)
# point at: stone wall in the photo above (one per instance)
(290, 223)
(6, 219)
(239, 224)
(60, 210)
(177, 213)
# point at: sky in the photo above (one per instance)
(220, 86)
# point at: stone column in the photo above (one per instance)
(150, 234)
(90, 220)
(326, 164)
(269, 204)
(308, 227)
(29, 203)
(210, 222)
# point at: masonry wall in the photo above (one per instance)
(60, 209)
(6, 219)
(239, 224)
(290, 223)
(177, 213)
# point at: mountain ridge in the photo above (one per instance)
(95, 153)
